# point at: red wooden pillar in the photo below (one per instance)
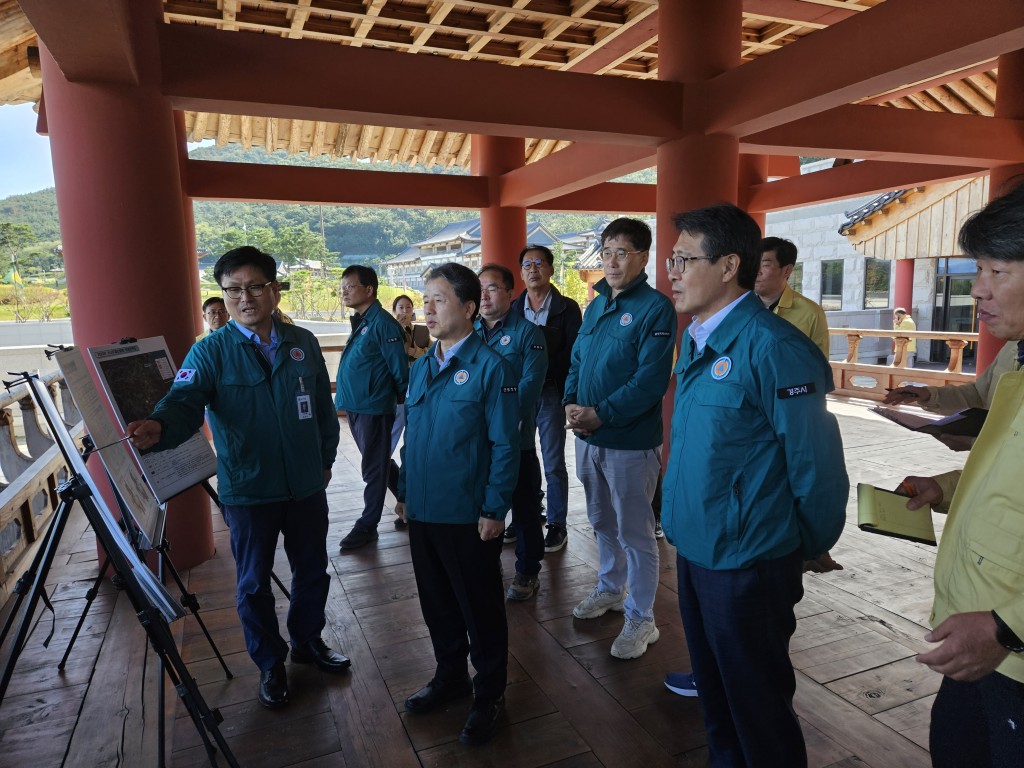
(503, 229)
(903, 292)
(753, 169)
(119, 198)
(1009, 103)
(698, 40)
(189, 221)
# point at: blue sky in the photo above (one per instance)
(24, 154)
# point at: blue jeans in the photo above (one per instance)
(398, 428)
(254, 532)
(738, 624)
(551, 429)
(619, 486)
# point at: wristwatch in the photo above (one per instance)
(1006, 637)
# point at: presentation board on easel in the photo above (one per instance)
(124, 474)
(135, 376)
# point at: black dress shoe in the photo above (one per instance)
(482, 721)
(274, 687)
(359, 538)
(435, 693)
(317, 652)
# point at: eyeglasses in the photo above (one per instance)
(620, 254)
(529, 264)
(678, 263)
(216, 312)
(493, 290)
(255, 291)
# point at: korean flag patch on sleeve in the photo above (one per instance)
(185, 376)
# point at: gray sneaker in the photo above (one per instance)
(523, 587)
(634, 638)
(598, 603)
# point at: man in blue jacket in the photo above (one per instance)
(264, 385)
(559, 317)
(372, 375)
(459, 466)
(521, 343)
(755, 485)
(620, 369)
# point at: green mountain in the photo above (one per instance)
(367, 233)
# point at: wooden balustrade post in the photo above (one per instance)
(956, 355)
(853, 342)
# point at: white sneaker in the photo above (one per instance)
(634, 638)
(598, 603)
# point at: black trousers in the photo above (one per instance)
(738, 624)
(372, 436)
(526, 515)
(978, 724)
(463, 602)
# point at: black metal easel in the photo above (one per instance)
(144, 599)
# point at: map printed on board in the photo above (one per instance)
(119, 463)
(135, 376)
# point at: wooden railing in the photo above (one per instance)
(32, 468)
(853, 379)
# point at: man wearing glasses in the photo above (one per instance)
(620, 369)
(266, 389)
(755, 485)
(372, 375)
(215, 314)
(522, 344)
(560, 317)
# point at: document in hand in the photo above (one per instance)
(885, 512)
(966, 423)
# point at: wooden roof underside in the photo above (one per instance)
(608, 37)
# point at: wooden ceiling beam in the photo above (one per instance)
(636, 32)
(885, 48)
(110, 41)
(971, 97)
(796, 12)
(882, 133)
(574, 168)
(850, 180)
(223, 130)
(245, 131)
(299, 17)
(210, 70)
(250, 182)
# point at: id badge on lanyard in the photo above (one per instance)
(303, 403)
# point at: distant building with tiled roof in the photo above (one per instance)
(460, 242)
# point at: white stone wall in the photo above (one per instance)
(815, 231)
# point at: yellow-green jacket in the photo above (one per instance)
(806, 315)
(980, 565)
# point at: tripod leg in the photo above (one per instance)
(205, 719)
(90, 596)
(189, 600)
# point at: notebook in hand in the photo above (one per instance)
(884, 512)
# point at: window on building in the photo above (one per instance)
(876, 283)
(796, 278)
(831, 285)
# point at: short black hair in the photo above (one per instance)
(634, 230)
(463, 281)
(246, 256)
(506, 274)
(367, 277)
(394, 304)
(726, 229)
(997, 230)
(784, 250)
(213, 300)
(548, 255)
